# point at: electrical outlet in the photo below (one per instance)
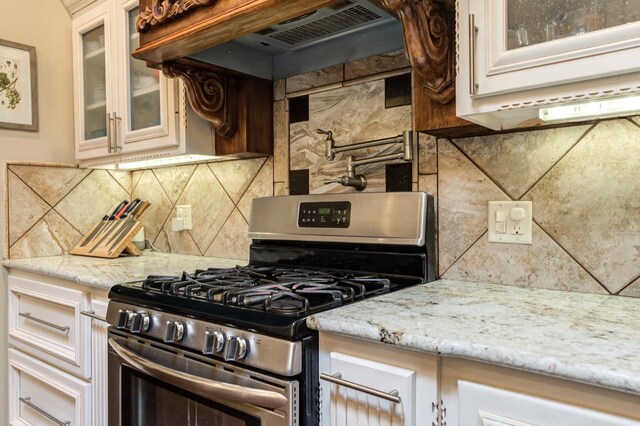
(510, 222)
(184, 213)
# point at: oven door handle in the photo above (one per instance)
(198, 385)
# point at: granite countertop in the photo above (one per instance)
(105, 273)
(584, 337)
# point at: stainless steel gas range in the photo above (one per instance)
(230, 347)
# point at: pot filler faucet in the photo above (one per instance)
(359, 181)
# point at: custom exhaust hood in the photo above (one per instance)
(216, 47)
(336, 34)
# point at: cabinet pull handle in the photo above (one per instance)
(473, 30)
(28, 316)
(117, 145)
(338, 380)
(92, 314)
(109, 131)
(27, 401)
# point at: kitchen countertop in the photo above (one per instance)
(105, 273)
(589, 338)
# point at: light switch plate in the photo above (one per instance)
(184, 213)
(515, 231)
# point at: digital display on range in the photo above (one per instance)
(333, 214)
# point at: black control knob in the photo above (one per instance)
(140, 322)
(174, 331)
(213, 342)
(236, 348)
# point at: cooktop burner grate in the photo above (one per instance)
(283, 291)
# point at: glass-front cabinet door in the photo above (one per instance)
(121, 106)
(94, 98)
(146, 105)
(524, 44)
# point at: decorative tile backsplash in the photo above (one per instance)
(583, 181)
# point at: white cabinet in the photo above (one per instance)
(516, 57)
(58, 355)
(121, 106)
(477, 394)
(364, 383)
(43, 395)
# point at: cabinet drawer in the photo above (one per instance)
(43, 395)
(45, 321)
(489, 406)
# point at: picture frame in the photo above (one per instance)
(18, 87)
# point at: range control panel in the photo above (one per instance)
(330, 214)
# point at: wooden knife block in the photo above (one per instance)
(109, 239)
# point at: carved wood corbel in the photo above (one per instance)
(161, 11)
(211, 94)
(429, 36)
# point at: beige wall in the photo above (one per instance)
(47, 26)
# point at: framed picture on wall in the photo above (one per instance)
(18, 87)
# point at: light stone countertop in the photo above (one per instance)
(589, 338)
(105, 273)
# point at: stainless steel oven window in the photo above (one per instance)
(152, 384)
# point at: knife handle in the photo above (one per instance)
(130, 207)
(141, 210)
(121, 212)
(116, 209)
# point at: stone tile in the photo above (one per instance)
(531, 153)
(279, 189)
(429, 184)
(280, 142)
(427, 154)
(123, 178)
(211, 206)
(463, 196)
(232, 242)
(82, 208)
(262, 186)
(170, 241)
(543, 264)
(51, 183)
(135, 178)
(25, 208)
(354, 114)
(376, 64)
(51, 236)
(589, 203)
(313, 79)
(633, 290)
(174, 179)
(279, 89)
(236, 176)
(154, 218)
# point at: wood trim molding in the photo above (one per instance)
(429, 35)
(212, 94)
(161, 11)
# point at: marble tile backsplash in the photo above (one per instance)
(583, 181)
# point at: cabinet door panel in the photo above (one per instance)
(42, 395)
(47, 319)
(489, 406)
(353, 407)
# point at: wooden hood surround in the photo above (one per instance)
(170, 30)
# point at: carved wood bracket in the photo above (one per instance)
(161, 11)
(429, 36)
(211, 94)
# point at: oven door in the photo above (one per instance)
(155, 384)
